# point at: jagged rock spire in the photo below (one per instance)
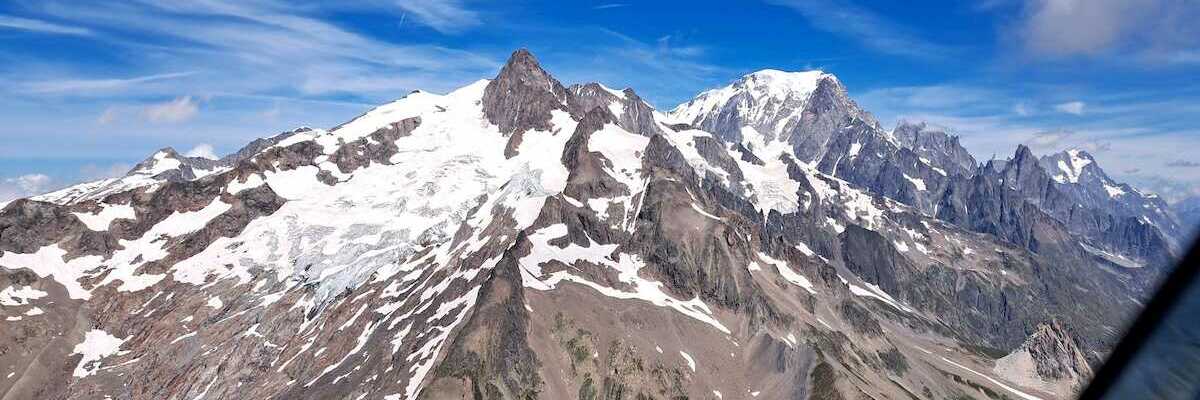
(1023, 152)
(522, 95)
(523, 67)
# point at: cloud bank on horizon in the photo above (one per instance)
(98, 86)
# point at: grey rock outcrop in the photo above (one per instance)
(522, 95)
(630, 111)
(1049, 359)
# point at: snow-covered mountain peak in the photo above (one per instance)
(1077, 152)
(414, 104)
(782, 84)
(1077, 167)
(168, 164)
(757, 95)
(1069, 165)
(163, 160)
(165, 165)
(1076, 171)
(771, 102)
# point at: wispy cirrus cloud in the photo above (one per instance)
(446, 16)
(264, 46)
(34, 25)
(87, 86)
(625, 61)
(609, 5)
(867, 27)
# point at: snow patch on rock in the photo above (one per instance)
(96, 345)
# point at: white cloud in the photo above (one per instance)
(1050, 141)
(1150, 30)
(1170, 188)
(34, 25)
(446, 16)
(1067, 27)
(1070, 107)
(202, 150)
(31, 182)
(178, 110)
(24, 186)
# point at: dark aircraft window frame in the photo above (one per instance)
(1159, 356)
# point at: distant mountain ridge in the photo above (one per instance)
(921, 166)
(518, 238)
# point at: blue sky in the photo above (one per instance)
(91, 88)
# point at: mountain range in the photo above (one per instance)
(518, 238)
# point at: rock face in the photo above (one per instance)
(1115, 215)
(1049, 359)
(522, 96)
(518, 239)
(630, 111)
(935, 145)
(1018, 197)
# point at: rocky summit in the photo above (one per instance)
(518, 238)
